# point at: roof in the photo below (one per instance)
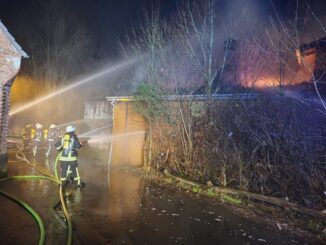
(12, 40)
(192, 97)
(320, 43)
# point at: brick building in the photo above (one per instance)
(10, 60)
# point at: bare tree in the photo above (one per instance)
(288, 40)
(60, 50)
(59, 43)
(147, 42)
(196, 32)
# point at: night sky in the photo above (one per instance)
(107, 21)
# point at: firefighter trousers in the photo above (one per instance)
(70, 169)
(50, 144)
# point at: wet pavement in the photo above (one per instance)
(117, 207)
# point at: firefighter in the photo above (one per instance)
(69, 146)
(50, 136)
(32, 133)
(62, 131)
(37, 137)
(26, 134)
(45, 134)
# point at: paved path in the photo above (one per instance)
(119, 208)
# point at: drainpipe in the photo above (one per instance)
(4, 124)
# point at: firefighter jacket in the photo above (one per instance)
(33, 133)
(24, 133)
(53, 134)
(69, 145)
(45, 134)
(28, 132)
(38, 135)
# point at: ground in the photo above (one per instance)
(117, 207)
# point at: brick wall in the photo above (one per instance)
(9, 60)
(9, 66)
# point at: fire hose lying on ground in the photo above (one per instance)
(45, 176)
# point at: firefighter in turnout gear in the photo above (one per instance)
(36, 135)
(50, 136)
(45, 134)
(69, 146)
(26, 134)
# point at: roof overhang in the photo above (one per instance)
(231, 96)
(13, 42)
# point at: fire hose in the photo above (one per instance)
(48, 176)
(32, 212)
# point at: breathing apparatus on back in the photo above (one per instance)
(68, 140)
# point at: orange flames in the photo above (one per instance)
(295, 72)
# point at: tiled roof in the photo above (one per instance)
(13, 41)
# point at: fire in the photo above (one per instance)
(263, 66)
(263, 82)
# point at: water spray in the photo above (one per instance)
(110, 137)
(73, 122)
(73, 85)
(93, 131)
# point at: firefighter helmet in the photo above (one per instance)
(53, 126)
(70, 129)
(38, 126)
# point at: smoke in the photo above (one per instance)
(238, 18)
(172, 61)
(66, 103)
(179, 48)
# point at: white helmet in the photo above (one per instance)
(38, 125)
(53, 126)
(70, 129)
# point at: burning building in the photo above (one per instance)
(10, 60)
(258, 64)
(311, 58)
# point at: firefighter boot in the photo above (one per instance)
(81, 185)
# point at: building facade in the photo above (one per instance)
(10, 60)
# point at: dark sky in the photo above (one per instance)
(110, 19)
(107, 20)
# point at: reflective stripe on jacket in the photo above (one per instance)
(45, 134)
(33, 133)
(38, 135)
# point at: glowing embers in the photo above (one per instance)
(261, 82)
